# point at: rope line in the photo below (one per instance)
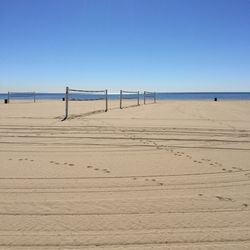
(129, 92)
(87, 91)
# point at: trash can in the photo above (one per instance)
(6, 101)
(215, 99)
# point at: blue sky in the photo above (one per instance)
(159, 45)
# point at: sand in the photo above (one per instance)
(170, 175)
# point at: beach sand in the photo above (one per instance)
(171, 175)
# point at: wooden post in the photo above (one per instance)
(106, 97)
(34, 96)
(138, 99)
(154, 97)
(120, 99)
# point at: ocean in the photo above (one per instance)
(159, 96)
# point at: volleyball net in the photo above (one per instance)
(129, 98)
(21, 96)
(149, 97)
(76, 102)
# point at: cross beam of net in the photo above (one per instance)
(87, 91)
(129, 92)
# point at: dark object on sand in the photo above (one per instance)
(6, 101)
(215, 99)
(63, 99)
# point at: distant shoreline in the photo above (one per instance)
(160, 96)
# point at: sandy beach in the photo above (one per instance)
(171, 175)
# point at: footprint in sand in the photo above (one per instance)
(89, 167)
(245, 205)
(20, 159)
(71, 164)
(10, 159)
(228, 199)
(224, 198)
(227, 170)
(160, 183)
(200, 194)
(106, 170)
(220, 198)
(218, 164)
(96, 169)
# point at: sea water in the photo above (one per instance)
(159, 96)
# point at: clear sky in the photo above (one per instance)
(162, 45)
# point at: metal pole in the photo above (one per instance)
(106, 97)
(144, 97)
(138, 98)
(120, 99)
(66, 103)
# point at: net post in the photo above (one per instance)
(144, 97)
(154, 97)
(106, 98)
(120, 99)
(34, 93)
(138, 98)
(66, 103)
